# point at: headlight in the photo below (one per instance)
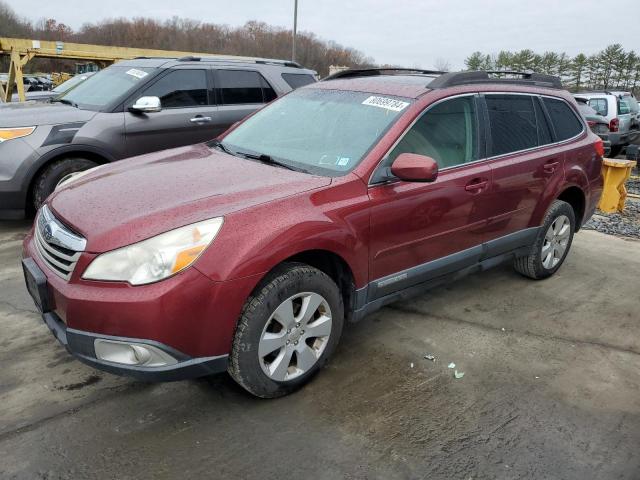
(156, 258)
(11, 133)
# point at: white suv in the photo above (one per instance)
(621, 111)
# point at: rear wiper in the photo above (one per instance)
(269, 159)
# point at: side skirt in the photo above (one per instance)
(416, 280)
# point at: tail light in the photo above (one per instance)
(599, 147)
(614, 124)
(591, 123)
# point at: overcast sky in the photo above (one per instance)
(410, 33)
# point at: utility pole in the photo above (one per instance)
(295, 30)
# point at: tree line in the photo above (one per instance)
(255, 39)
(610, 69)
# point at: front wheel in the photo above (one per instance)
(287, 331)
(552, 243)
(54, 174)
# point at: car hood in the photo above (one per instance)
(31, 113)
(131, 200)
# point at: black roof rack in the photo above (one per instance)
(371, 72)
(260, 61)
(470, 77)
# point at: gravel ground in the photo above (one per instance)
(633, 184)
(626, 224)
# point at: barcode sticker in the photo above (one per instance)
(386, 103)
(137, 73)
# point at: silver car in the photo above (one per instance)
(130, 108)
(621, 111)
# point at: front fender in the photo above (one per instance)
(254, 241)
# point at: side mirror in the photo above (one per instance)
(147, 105)
(412, 167)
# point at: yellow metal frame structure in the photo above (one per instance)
(614, 193)
(21, 51)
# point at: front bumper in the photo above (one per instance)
(82, 346)
(16, 159)
(188, 316)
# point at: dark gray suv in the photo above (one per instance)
(132, 107)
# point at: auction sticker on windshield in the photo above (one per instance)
(137, 73)
(386, 103)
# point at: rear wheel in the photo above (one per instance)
(54, 173)
(287, 331)
(552, 243)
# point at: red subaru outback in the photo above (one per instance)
(247, 254)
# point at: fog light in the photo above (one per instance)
(127, 353)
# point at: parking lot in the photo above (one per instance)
(551, 390)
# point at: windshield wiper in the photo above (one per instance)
(270, 160)
(220, 146)
(66, 102)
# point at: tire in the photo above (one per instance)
(267, 371)
(537, 264)
(615, 151)
(49, 178)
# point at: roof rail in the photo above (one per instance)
(471, 77)
(261, 61)
(372, 72)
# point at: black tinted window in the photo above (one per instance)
(446, 132)
(242, 86)
(297, 80)
(268, 92)
(512, 121)
(180, 88)
(565, 122)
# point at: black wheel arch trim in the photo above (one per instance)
(59, 152)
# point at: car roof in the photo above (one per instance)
(409, 86)
(411, 83)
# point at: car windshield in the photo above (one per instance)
(69, 84)
(104, 87)
(326, 132)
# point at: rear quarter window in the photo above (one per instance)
(297, 80)
(565, 122)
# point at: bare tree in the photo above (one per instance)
(442, 64)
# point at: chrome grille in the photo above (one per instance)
(57, 245)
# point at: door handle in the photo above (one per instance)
(200, 119)
(550, 167)
(475, 186)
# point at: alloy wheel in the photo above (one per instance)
(556, 241)
(295, 336)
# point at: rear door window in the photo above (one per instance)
(512, 121)
(239, 87)
(297, 80)
(180, 88)
(565, 122)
